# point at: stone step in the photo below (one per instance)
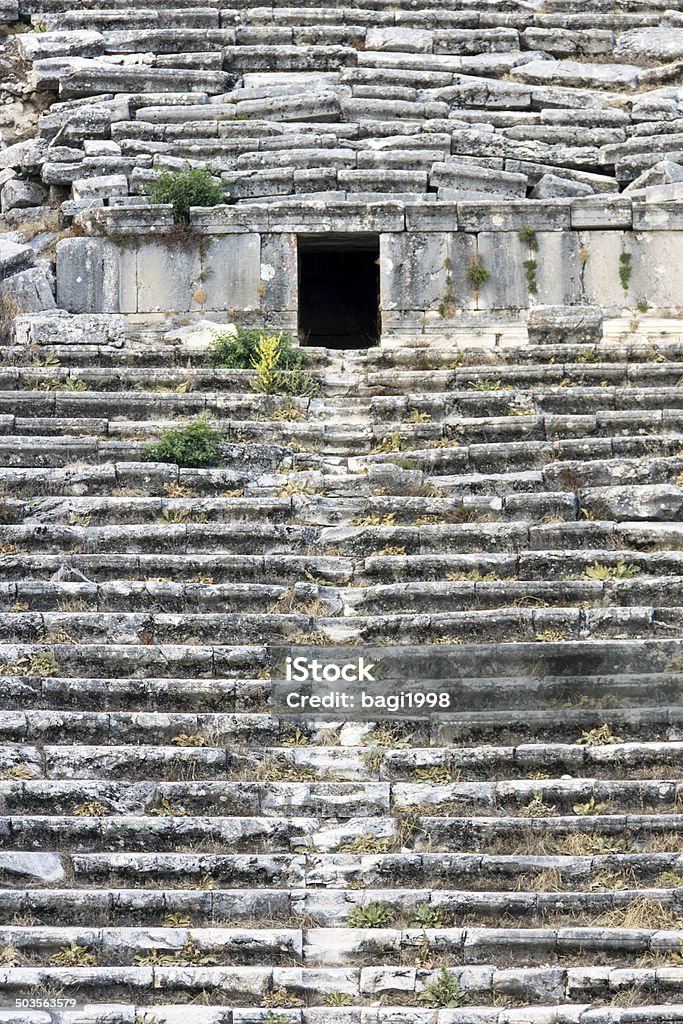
(271, 873)
(129, 908)
(616, 759)
(342, 799)
(429, 598)
(254, 729)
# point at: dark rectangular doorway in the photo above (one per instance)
(339, 290)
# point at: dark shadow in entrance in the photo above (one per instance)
(339, 290)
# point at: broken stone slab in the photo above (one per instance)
(653, 42)
(658, 502)
(100, 186)
(580, 76)
(47, 867)
(17, 194)
(664, 172)
(463, 179)
(32, 289)
(24, 156)
(48, 73)
(561, 325)
(14, 257)
(553, 186)
(35, 46)
(62, 328)
(80, 81)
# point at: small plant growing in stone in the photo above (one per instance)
(10, 956)
(372, 915)
(621, 571)
(601, 736)
(176, 921)
(527, 236)
(642, 305)
(196, 445)
(590, 808)
(73, 956)
(367, 843)
(184, 189)
(336, 998)
(184, 739)
(444, 991)
(530, 267)
(625, 269)
(266, 361)
(425, 916)
(167, 810)
(43, 664)
(477, 274)
(299, 739)
(550, 636)
(282, 998)
(276, 1018)
(91, 809)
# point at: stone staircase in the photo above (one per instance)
(172, 848)
(359, 103)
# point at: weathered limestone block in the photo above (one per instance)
(582, 76)
(230, 275)
(31, 289)
(41, 45)
(503, 255)
(657, 43)
(14, 257)
(46, 867)
(88, 275)
(602, 212)
(659, 502)
(458, 180)
(278, 273)
(22, 195)
(558, 268)
(100, 186)
(415, 269)
(25, 156)
(61, 328)
(558, 325)
(664, 172)
(403, 40)
(564, 42)
(553, 186)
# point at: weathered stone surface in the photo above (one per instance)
(582, 76)
(14, 257)
(550, 186)
(656, 43)
(21, 195)
(580, 325)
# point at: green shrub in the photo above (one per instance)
(372, 915)
(477, 274)
(197, 444)
(186, 188)
(240, 350)
(443, 991)
(527, 236)
(530, 268)
(642, 305)
(625, 269)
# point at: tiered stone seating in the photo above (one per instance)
(172, 846)
(212, 858)
(363, 101)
